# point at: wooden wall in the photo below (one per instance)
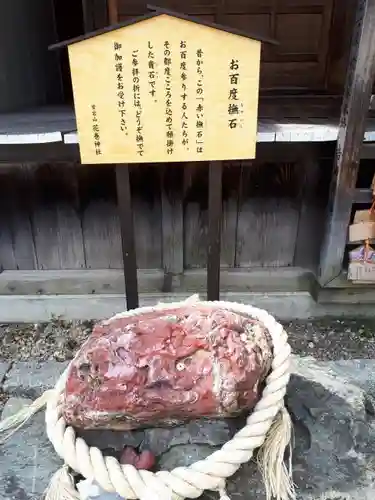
(314, 36)
(64, 216)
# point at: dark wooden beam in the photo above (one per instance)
(113, 17)
(88, 16)
(308, 241)
(48, 152)
(354, 110)
(214, 229)
(95, 14)
(127, 235)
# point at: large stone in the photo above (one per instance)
(334, 420)
(31, 378)
(157, 370)
(197, 432)
(27, 459)
(334, 437)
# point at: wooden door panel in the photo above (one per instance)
(301, 26)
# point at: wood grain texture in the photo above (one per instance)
(302, 29)
(310, 227)
(65, 216)
(111, 281)
(146, 200)
(100, 220)
(172, 223)
(69, 223)
(359, 82)
(267, 216)
(44, 188)
(17, 247)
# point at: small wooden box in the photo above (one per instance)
(361, 231)
(363, 226)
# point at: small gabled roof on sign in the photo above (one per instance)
(158, 11)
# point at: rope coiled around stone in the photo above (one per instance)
(182, 482)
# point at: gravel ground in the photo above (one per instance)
(326, 339)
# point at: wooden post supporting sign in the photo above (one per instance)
(127, 235)
(166, 88)
(214, 229)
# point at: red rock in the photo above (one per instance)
(144, 460)
(164, 368)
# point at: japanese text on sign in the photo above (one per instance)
(235, 106)
(151, 70)
(137, 102)
(96, 130)
(119, 68)
(200, 102)
(184, 105)
(165, 90)
(168, 98)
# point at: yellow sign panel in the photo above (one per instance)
(165, 90)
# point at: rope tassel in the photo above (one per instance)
(14, 423)
(277, 476)
(61, 486)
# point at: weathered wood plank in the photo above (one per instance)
(342, 291)
(69, 225)
(249, 245)
(280, 222)
(7, 257)
(310, 230)
(347, 296)
(195, 191)
(44, 188)
(17, 245)
(171, 178)
(100, 220)
(268, 216)
(55, 216)
(231, 183)
(356, 101)
(146, 201)
(111, 281)
(195, 194)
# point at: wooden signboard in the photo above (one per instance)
(166, 87)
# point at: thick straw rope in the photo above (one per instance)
(268, 425)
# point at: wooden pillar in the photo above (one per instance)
(309, 232)
(88, 16)
(354, 111)
(214, 229)
(127, 235)
(113, 11)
